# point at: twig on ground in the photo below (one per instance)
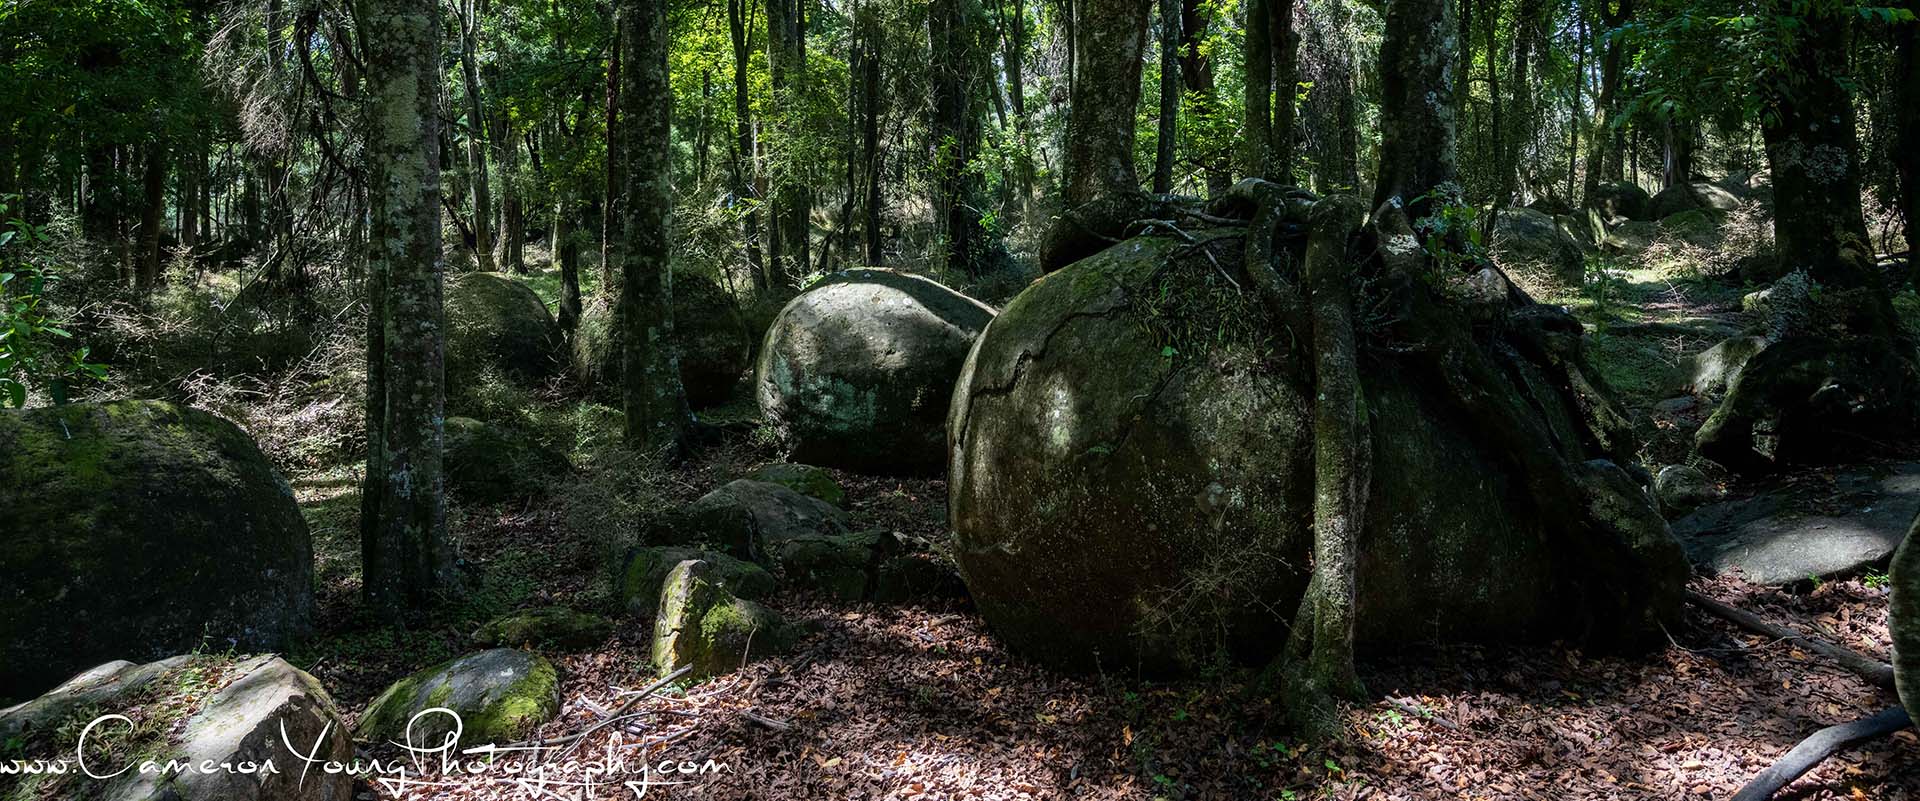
(1876, 672)
(762, 720)
(1408, 706)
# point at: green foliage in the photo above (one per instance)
(34, 347)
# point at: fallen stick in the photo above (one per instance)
(1816, 748)
(757, 718)
(1876, 672)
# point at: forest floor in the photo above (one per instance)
(922, 702)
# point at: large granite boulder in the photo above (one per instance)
(1792, 533)
(747, 519)
(137, 530)
(715, 346)
(497, 323)
(856, 372)
(1529, 242)
(498, 695)
(197, 709)
(1132, 484)
(1620, 200)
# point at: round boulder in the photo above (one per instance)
(714, 346)
(1529, 242)
(498, 323)
(485, 464)
(138, 530)
(856, 372)
(1132, 483)
(497, 696)
(1620, 199)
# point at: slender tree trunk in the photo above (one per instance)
(566, 237)
(1014, 23)
(1573, 116)
(1100, 190)
(1257, 136)
(152, 214)
(1417, 111)
(745, 163)
(477, 141)
(792, 200)
(405, 556)
(1196, 72)
(1169, 96)
(510, 243)
(1604, 162)
(1286, 82)
(1906, 148)
(656, 403)
(871, 104)
(610, 216)
(1676, 154)
(1330, 125)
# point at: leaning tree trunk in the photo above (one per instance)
(656, 404)
(1100, 192)
(403, 535)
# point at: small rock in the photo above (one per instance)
(842, 565)
(553, 626)
(500, 695)
(1684, 488)
(916, 576)
(703, 625)
(1680, 405)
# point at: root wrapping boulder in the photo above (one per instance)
(856, 372)
(138, 530)
(1132, 477)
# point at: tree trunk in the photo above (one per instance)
(152, 213)
(1196, 72)
(959, 84)
(1906, 148)
(566, 239)
(405, 556)
(1676, 154)
(1604, 161)
(1417, 113)
(1331, 128)
(871, 105)
(1285, 44)
(1100, 192)
(1256, 136)
(476, 142)
(1169, 96)
(656, 404)
(1815, 159)
(792, 200)
(510, 242)
(745, 165)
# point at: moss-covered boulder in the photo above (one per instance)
(1631, 239)
(856, 372)
(138, 530)
(644, 570)
(1687, 197)
(546, 627)
(715, 347)
(1132, 476)
(1529, 242)
(1712, 371)
(802, 478)
(498, 324)
(197, 708)
(1697, 227)
(499, 695)
(746, 518)
(1620, 199)
(703, 625)
(488, 464)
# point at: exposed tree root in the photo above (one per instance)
(1876, 672)
(1816, 748)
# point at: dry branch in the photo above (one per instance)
(1876, 672)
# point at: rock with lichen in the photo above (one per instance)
(497, 324)
(856, 372)
(645, 568)
(138, 530)
(805, 479)
(549, 627)
(703, 626)
(495, 696)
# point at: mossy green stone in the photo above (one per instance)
(704, 626)
(500, 696)
(802, 478)
(139, 530)
(496, 322)
(553, 626)
(489, 464)
(645, 569)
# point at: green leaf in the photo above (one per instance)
(16, 394)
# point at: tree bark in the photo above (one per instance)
(1196, 72)
(872, 103)
(1604, 161)
(1906, 149)
(152, 213)
(959, 83)
(1812, 149)
(510, 240)
(792, 200)
(1169, 129)
(405, 556)
(476, 141)
(656, 403)
(1332, 131)
(1257, 134)
(745, 166)
(1100, 190)
(1417, 112)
